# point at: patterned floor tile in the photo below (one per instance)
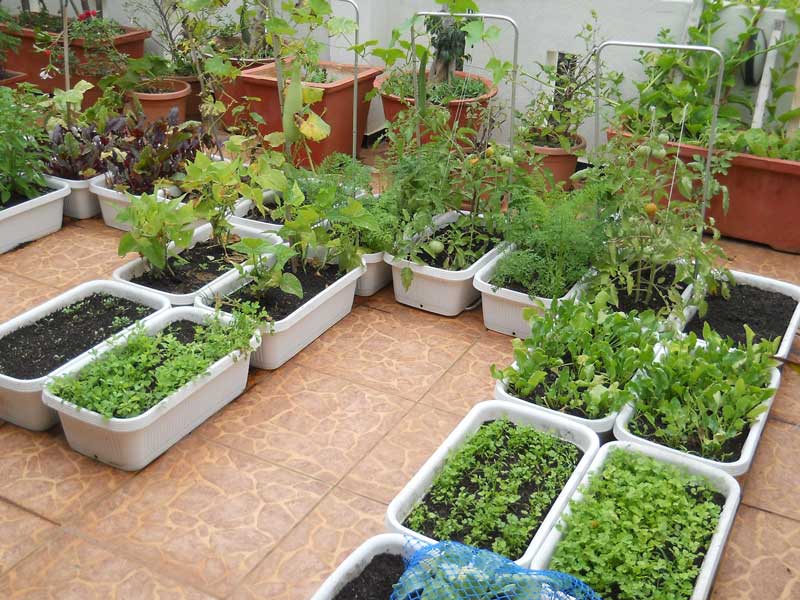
(761, 560)
(42, 474)
(20, 534)
(306, 420)
(762, 260)
(66, 258)
(786, 406)
(70, 568)
(399, 352)
(773, 483)
(321, 541)
(18, 294)
(389, 466)
(205, 513)
(469, 381)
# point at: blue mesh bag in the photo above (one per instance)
(452, 571)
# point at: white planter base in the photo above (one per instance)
(81, 203)
(722, 482)
(21, 399)
(567, 430)
(377, 276)
(131, 444)
(33, 219)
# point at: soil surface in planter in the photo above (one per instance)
(628, 302)
(255, 215)
(516, 286)
(514, 473)
(278, 303)
(766, 313)
(539, 391)
(479, 247)
(39, 348)
(376, 580)
(194, 268)
(184, 331)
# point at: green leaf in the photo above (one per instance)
(406, 276)
(291, 285)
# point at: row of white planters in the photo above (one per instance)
(545, 541)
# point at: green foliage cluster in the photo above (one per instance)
(496, 489)
(130, 379)
(701, 398)
(439, 93)
(22, 145)
(580, 357)
(641, 530)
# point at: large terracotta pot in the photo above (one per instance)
(234, 89)
(558, 161)
(193, 100)
(393, 105)
(336, 105)
(12, 78)
(157, 105)
(27, 60)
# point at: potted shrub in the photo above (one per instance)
(640, 510)
(141, 158)
(707, 400)
(759, 166)
(190, 363)
(329, 87)
(57, 333)
(771, 308)
(98, 46)
(507, 452)
(552, 246)
(30, 208)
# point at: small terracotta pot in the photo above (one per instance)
(560, 162)
(393, 105)
(158, 105)
(193, 100)
(13, 78)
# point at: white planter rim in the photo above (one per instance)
(61, 190)
(76, 184)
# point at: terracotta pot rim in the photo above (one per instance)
(491, 93)
(365, 72)
(182, 90)
(559, 151)
(131, 34)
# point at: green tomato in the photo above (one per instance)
(663, 138)
(435, 247)
(506, 161)
(659, 153)
(642, 150)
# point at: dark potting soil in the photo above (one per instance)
(184, 331)
(278, 303)
(766, 313)
(255, 215)
(38, 348)
(376, 580)
(193, 268)
(664, 281)
(480, 247)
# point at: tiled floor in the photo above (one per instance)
(267, 497)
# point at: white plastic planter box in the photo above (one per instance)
(736, 467)
(602, 427)
(137, 267)
(724, 483)
(415, 490)
(377, 276)
(287, 337)
(770, 285)
(21, 399)
(33, 219)
(439, 291)
(112, 201)
(502, 307)
(131, 444)
(385, 543)
(81, 203)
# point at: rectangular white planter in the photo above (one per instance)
(112, 201)
(82, 202)
(137, 267)
(21, 399)
(770, 285)
(385, 543)
(415, 490)
(287, 337)
(33, 219)
(722, 482)
(131, 444)
(502, 307)
(439, 291)
(377, 276)
(737, 467)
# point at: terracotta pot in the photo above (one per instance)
(336, 105)
(764, 199)
(12, 78)
(193, 100)
(560, 162)
(28, 60)
(234, 89)
(393, 105)
(158, 105)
